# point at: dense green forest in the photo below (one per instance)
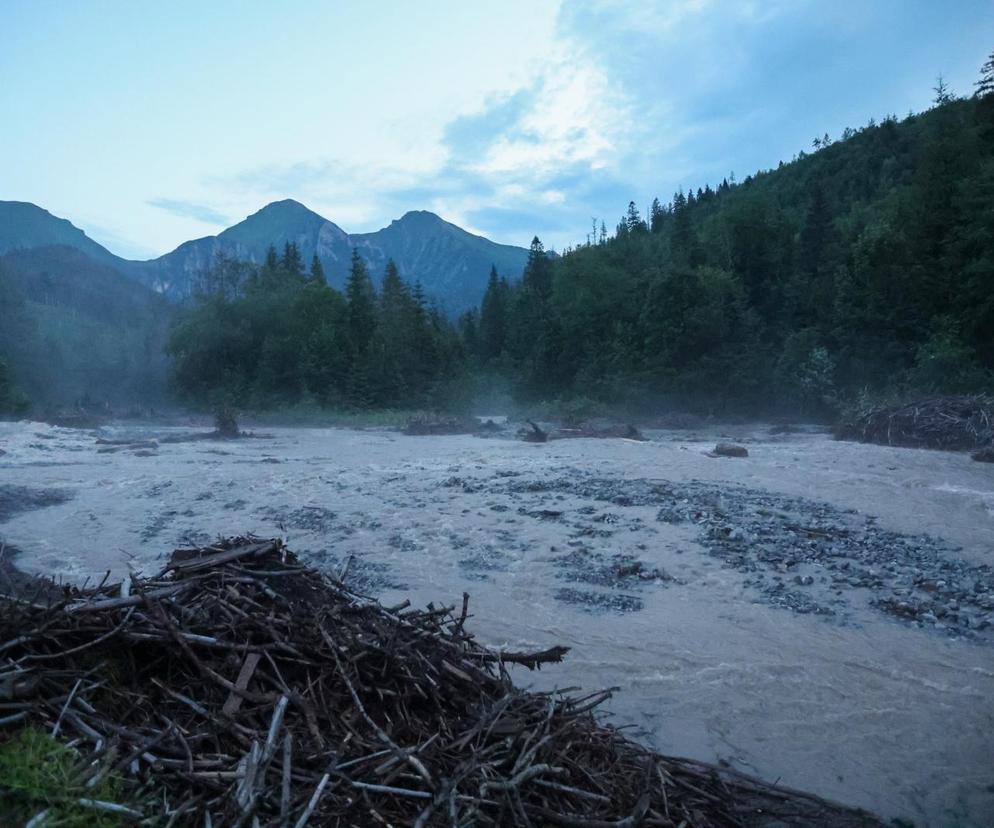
(866, 266)
(277, 334)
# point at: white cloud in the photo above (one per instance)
(574, 116)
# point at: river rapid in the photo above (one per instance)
(819, 613)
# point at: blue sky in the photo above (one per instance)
(147, 124)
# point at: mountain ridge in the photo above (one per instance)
(451, 263)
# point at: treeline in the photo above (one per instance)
(277, 334)
(867, 265)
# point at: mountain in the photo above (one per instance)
(175, 274)
(451, 264)
(24, 226)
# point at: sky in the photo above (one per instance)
(148, 124)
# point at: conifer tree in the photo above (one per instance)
(271, 261)
(538, 270)
(985, 86)
(361, 297)
(942, 93)
(656, 216)
(317, 270)
(493, 318)
(633, 221)
(291, 261)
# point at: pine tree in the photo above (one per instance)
(493, 318)
(538, 270)
(683, 232)
(633, 221)
(271, 262)
(656, 216)
(361, 297)
(317, 270)
(985, 86)
(291, 261)
(942, 93)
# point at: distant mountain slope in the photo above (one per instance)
(174, 274)
(75, 326)
(451, 264)
(24, 226)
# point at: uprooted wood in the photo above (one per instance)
(429, 426)
(953, 423)
(250, 690)
(625, 431)
(533, 434)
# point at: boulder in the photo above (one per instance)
(730, 450)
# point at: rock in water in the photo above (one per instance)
(730, 450)
(984, 455)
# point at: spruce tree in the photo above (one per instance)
(361, 298)
(985, 86)
(291, 261)
(538, 270)
(493, 318)
(271, 261)
(633, 221)
(317, 270)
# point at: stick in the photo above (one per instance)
(313, 803)
(65, 707)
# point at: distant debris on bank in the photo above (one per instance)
(239, 687)
(598, 430)
(953, 423)
(433, 426)
(729, 450)
(534, 433)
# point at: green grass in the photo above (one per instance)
(39, 773)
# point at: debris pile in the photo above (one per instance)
(603, 431)
(432, 426)
(954, 423)
(247, 689)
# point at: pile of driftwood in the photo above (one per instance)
(954, 423)
(602, 431)
(434, 426)
(245, 689)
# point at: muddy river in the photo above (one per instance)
(818, 612)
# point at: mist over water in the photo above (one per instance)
(626, 552)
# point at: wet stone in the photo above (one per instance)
(17, 499)
(599, 601)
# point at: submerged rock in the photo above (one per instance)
(730, 450)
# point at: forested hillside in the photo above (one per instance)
(867, 264)
(72, 328)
